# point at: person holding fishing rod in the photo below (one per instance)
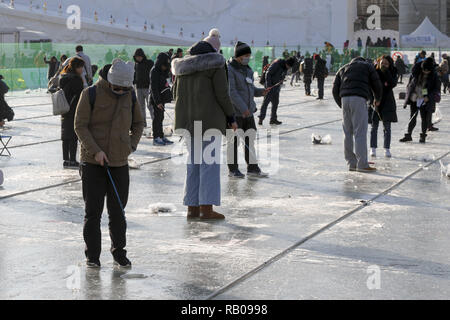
(387, 111)
(104, 116)
(423, 92)
(242, 93)
(273, 78)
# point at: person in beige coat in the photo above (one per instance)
(109, 125)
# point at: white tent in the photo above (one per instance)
(426, 36)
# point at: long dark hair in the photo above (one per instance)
(74, 64)
(387, 57)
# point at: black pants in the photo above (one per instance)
(97, 185)
(425, 114)
(274, 97)
(308, 82)
(232, 150)
(320, 85)
(158, 118)
(70, 150)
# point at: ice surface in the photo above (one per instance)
(406, 232)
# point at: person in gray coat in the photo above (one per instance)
(242, 93)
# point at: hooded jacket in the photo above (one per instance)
(358, 78)
(106, 125)
(433, 86)
(242, 88)
(158, 78)
(201, 90)
(72, 85)
(142, 70)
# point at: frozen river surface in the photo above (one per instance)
(328, 233)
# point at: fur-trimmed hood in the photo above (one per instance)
(195, 63)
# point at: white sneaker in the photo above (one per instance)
(387, 153)
(373, 154)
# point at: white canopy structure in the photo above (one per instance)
(426, 36)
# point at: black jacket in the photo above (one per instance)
(5, 111)
(358, 78)
(401, 66)
(158, 78)
(308, 67)
(142, 70)
(320, 69)
(388, 106)
(72, 85)
(276, 73)
(53, 67)
(433, 86)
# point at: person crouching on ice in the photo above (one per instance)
(103, 119)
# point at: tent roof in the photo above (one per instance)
(427, 28)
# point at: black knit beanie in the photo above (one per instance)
(428, 64)
(241, 49)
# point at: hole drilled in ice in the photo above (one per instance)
(162, 208)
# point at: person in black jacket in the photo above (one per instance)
(53, 66)
(6, 113)
(274, 79)
(422, 95)
(142, 69)
(158, 83)
(401, 68)
(307, 68)
(388, 107)
(320, 73)
(352, 88)
(71, 83)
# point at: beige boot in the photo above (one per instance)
(207, 213)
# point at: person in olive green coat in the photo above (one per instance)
(202, 97)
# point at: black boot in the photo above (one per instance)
(423, 138)
(407, 138)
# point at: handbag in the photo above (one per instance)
(60, 104)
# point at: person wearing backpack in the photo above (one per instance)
(71, 83)
(109, 128)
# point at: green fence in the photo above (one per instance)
(23, 66)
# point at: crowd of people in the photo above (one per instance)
(213, 97)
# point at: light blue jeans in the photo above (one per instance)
(202, 185)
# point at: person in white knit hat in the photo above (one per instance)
(214, 39)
